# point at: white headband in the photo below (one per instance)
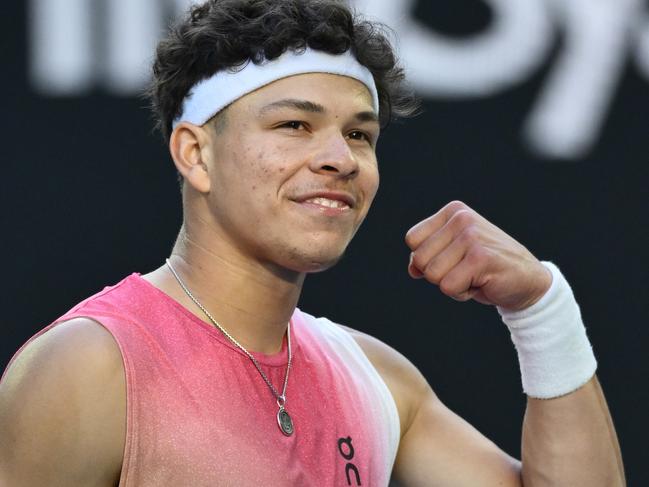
(211, 95)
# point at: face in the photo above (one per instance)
(293, 170)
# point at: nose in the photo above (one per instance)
(334, 157)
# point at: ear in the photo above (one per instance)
(187, 145)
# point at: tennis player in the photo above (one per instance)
(205, 373)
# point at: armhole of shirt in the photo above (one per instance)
(74, 314)
(344, 345)
(129, 393)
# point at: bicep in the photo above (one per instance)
(441, 449)
(437, 447)
(62, 409)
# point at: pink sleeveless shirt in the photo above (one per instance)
(199, 413)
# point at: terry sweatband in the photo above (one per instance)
(209, 96)
(554, 353)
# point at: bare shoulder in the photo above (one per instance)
(407, 385)
(63, 409)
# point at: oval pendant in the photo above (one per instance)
(285, 422)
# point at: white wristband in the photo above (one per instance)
(554, 353)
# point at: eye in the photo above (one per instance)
(358, 135)
(292, 124)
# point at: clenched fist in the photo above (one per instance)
(470, 258)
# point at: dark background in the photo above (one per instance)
(89, 195)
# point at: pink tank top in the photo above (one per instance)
(199, 413)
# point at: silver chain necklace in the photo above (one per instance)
(283, 418)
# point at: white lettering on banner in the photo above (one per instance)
(133, 32)
(61, 57)
(69, 56)
(642, 52)
(568, 116)
(79, 44)
(504, 54)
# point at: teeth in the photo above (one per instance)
(328, 203)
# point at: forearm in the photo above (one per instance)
(571, 441)
(568, 435)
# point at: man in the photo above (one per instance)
(204, 372)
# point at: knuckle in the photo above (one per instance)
(469, 234)
(463, 297)
(418, 260)
(476, 255)
(433, 272)
(410, 238)
(449, 288)
(456, 205)
(462, 219)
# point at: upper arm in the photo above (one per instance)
(437, 447)
(63, 410)
(440, 448)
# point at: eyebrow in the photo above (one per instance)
(302, 105)
(311, 107)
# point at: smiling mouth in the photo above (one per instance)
(327, 203)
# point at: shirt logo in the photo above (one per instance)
(346, 449)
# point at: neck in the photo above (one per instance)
(253, 302)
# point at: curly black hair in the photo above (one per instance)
(221, 34)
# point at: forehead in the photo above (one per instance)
(329, 90)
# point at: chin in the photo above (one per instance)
(315, 253)
(312, 262)
(323, 266)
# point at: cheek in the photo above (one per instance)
(259, 173)
(271, 167)
(248, 166)
(372, 183)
